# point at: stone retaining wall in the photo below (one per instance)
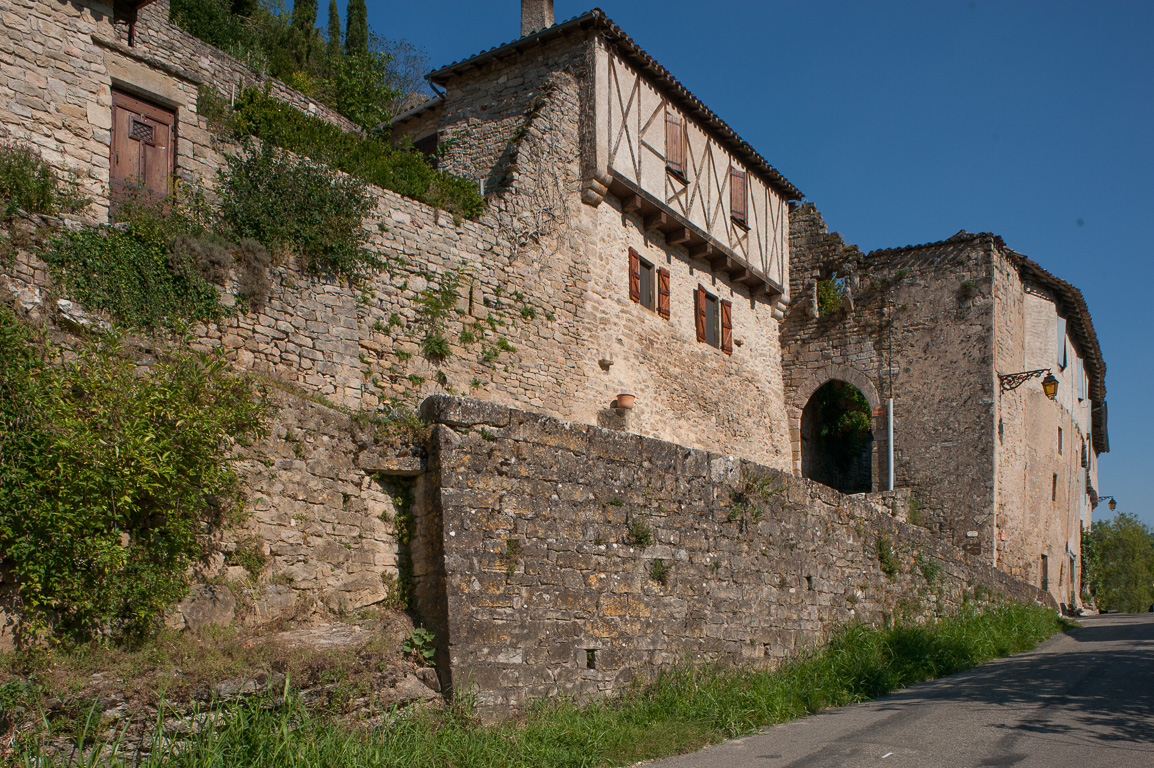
(551, 587)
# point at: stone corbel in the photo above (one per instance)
(594, 190)
(809, 292)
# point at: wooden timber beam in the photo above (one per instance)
(679, 237)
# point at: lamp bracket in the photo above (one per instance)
(1011, 381)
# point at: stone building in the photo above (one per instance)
(945, 331)
(632, 244)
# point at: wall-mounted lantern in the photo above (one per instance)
(1011, 381)
(1112, 503)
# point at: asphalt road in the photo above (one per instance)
(1083, 699)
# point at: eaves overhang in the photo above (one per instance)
(651, 69)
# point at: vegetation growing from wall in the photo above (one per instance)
(28, 183)
(1118, 564)
(367, 83)
(288, 204)
(110, 481)
(406, 172)
(683, 709)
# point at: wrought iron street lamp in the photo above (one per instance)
(1011, 381)
(1112, 504)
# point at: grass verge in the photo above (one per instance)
(681, 710)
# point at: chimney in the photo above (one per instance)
(535, 16)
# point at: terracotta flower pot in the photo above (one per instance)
(625, 400)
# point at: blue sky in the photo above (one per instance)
(905, 122)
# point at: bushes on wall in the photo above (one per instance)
(110, 481)
(286, 203)
(29, 183)
(405, 172)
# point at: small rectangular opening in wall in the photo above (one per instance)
(590, 658)
(1054, 488)
(1059, 441)
(1045, 572)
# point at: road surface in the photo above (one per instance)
(1083, 699)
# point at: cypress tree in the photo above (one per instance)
(305, 15)
(357, 28)
(244, 7)
(334, 31)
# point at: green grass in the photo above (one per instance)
(681, 710)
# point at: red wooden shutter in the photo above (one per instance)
(738, 196)
(727, 327)
(699, 312)
(634, 275)
(663, 293)
(674, 141)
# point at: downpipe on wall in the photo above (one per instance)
(890, 439)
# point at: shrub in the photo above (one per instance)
(408, 173)
(286, 203)
(885, 552)
(110, 482)
(640, 534)
(29, 183)
(138, 280)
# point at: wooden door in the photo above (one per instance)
(143, 147)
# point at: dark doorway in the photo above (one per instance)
(837, 438)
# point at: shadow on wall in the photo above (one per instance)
(837, 438)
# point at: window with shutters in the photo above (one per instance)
(713, 320)
(675, 145)
(648, 285)
(1061, 343)
(143, 144)
(738, 197)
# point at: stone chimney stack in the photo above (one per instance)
(535, 16)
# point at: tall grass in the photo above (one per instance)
(682, 709)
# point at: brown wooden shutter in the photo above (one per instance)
(727, 327)
(674, 141)
(634, 275)
(663, 293)
(699, 312)
(738, 195)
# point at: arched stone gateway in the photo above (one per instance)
(812, 451)
(837, 438)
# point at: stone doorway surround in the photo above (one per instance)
(834, 372)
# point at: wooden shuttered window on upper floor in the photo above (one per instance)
(675, 149)
(634, 275)
(738, 196)
(663, 292)
(699, 312)
(727, 327)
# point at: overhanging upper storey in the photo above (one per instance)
(653, 145)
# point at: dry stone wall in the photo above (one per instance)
(576, 558)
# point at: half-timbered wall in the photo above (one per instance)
(632, 128)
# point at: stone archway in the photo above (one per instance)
(837, 438)
(803, 395)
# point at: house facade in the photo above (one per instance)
(633, 244)
(959, 336)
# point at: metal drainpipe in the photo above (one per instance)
(890, 438)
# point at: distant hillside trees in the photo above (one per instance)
(1118, 564)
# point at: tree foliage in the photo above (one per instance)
(1118, 563)
(356, 28)
(111, 481)
(361, 82)
(845, 423)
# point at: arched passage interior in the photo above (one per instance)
(837, 438)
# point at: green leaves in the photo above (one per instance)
(110, 482)
(1118, 563)
(278, 200)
